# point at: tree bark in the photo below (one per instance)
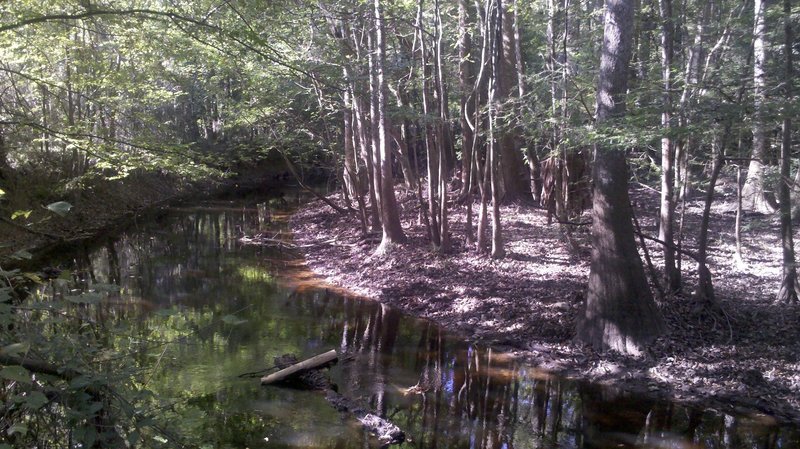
(789, 284)
(499, 67)
(672, 276)
(620, 312)
(390, 217)
(465, 82)
(755, 195)
(515, 183)
(432, 155)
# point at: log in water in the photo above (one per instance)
(308, 364)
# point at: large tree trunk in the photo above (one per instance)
(515, 176)
(620, 313)
(755, 195)
(789, 285)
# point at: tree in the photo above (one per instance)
(390, 218)
(789, 285)
(666, 217)
(756, 196)
(620, 312)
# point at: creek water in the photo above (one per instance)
(221, 308)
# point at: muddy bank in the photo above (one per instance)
(743, 358)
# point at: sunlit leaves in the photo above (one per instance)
(21, 213)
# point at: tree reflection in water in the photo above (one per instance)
(443, 391)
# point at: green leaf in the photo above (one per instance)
(21, 429)
(2, 194)
(60, 207)
(21, 213)
(80, 382)
(16, 373)
(133, 438)
(22, 254)
(15, 349)
(35, 400)
(232, 320)
(94, 408)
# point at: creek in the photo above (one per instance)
(224, 308)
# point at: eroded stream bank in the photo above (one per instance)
(224, 308)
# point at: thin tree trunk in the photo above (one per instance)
(432, 158)
(442, 133)
(789, 284)
(667, 216)
(352, 176)
(465, 82)
(497, 51)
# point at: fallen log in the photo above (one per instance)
(313, 363)
(386, 432)
(306, 375)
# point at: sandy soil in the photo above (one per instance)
(745, 358)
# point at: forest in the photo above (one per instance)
(605, 190)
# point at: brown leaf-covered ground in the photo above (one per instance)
(745, 356)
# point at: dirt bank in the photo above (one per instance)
(745, 358)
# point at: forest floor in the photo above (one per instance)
(744, 357)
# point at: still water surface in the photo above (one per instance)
(233, 307)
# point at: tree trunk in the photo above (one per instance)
(672, 276)
(789, 285)
(432, 155)
(352, 178)
(514, 173)
(755, 195)
(465, 83)
(620, 312)
(499, 67)
(446, 159)
(390, 218)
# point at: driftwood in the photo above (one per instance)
(315, 362)
(306, 375)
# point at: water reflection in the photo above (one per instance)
(232, 308)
